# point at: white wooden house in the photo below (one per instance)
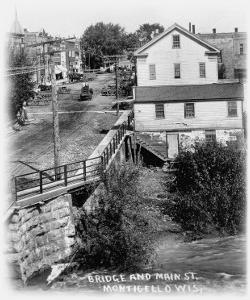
(179, 98)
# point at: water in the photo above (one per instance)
(211, 265)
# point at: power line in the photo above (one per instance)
(22, 67)
(24, 72)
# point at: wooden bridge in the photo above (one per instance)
(39, 186)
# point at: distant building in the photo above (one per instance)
(16, 35)
(70, 56)
(233, 47)
(38, 54)
(179, 97)
(20, 39)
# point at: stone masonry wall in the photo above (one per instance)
(42, 235)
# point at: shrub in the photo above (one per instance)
(210, 188)
(118, 233)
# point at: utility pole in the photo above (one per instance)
(115, 59)
(116, 85)
(56, 137)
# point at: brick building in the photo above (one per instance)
(233, 47)
(70, 56)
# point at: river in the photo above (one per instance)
(210, 265)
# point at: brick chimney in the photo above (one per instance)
(236, 29)
(189, 27)
(193, 29)
(214, 30)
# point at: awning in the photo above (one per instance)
(60, 69)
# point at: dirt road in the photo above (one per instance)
(82, 127)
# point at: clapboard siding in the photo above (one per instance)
(207, 115)
(164, 56)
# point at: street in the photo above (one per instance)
(82, 125)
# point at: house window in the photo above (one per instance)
(189, 110)
(177, 71)
(176, 41)
(152, 73)
(202, 70)
(241, 49)
(232, 108)
(210, 136)
(159, 111)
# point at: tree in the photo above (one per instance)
(120, 231)
(102, 39)
(145, 31)
(210, 186)
(21, 85)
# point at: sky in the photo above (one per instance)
(72, 17)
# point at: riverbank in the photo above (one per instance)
(212, 264)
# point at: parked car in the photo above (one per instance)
(75, 77)
(44, 87)
(86, 93)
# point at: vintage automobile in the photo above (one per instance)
(86, 93)
(75, 77)
(45, 87)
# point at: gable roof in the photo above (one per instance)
(182, 30)
(182, 93)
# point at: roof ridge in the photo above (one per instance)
(169, 29)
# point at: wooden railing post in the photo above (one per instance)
(110, 149)
(84, 170)
(102, 164)
(104, 158)
(16, 189)
(65, 175)
(41, 181)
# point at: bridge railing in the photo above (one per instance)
(42, 181)
(116, 140)
(39, 182)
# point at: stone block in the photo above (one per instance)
(70, 230)
(46, 208)
(44, 218)
(55, 225)
(15, 218)
(40, 241)
(57, 204)
(69, 241)
(61, 243)
(54, 257)
(51, 216)
(64, 221)
(63, 212)
(16, 247)
(13, 226)
(38, 254)
(15, 236)
(55, 235)
(48, 250)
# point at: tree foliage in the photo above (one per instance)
(145, 31)
(110, 39)
(21, 85)
(102, 39)
(211, 188)
(118, 233)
